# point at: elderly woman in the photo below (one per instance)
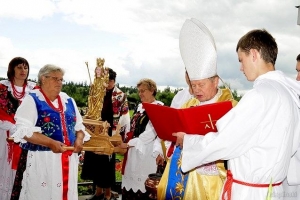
(47, 121)
(140, 161)
(12, 92)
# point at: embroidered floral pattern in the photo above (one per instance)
(5, 102)
(48, 124)
(120, 106)
(71, 122)
(3, 96)
(176, 187)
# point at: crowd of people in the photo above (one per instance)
(252, 155)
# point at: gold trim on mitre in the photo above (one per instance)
(198, 50)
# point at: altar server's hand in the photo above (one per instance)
(179, 140)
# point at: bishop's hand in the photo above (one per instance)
(179, 140)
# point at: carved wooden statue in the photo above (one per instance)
(97, 91)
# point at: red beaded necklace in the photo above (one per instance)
(60, 107)
(18, 95)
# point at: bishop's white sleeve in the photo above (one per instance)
(144, 139)
(237, 134)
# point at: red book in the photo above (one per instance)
(194, 120)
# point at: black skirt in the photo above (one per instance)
(100, 169)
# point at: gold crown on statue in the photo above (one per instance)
(100, 62)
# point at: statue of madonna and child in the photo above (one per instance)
(97, 91)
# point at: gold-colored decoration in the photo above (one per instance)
(97, 91)
(100, 139)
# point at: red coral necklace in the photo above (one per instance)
(60, 107)
(18, 95)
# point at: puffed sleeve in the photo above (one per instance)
(25, 117)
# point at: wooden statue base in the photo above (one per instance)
(101, 142)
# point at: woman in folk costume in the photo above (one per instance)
(140, 161)
(198, 51)
(260, 136)
(12, 92)
(46, 122)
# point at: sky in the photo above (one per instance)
(139, 38)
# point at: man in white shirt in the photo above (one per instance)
(298, 68)
(291, 191)
(259, 135)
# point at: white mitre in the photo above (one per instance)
(198, 50)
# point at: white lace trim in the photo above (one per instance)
(210, 169)
(30, 85)
(21, 132)
(6, 125)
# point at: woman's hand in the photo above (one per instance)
(123, 145)
(56, 146)
(160, 160)
(40, 139)
(78, 144)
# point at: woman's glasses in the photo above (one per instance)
(54, 78)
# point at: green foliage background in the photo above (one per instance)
(80, 92)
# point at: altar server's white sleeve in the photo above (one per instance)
(237, 134)
(293, 176)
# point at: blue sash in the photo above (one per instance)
(176, 179)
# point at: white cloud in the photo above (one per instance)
(29, 9)
(140, 38)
